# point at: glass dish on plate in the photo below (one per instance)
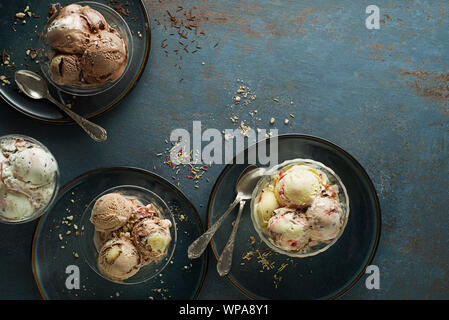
(313, 247)
(46, 52)
(88, 238)
(48, 190)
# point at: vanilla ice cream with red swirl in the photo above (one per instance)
(326, 216)
(288, 229)
(297, 207)
(297, 186)
(266, 203)
(27, 177)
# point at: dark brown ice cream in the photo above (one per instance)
(65, 68)
(87, 49)
(104, 58)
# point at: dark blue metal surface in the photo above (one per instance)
(379, 94)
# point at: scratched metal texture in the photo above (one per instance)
(382, 95)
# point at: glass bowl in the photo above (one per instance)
(342, 197)
(89, 249)
(45, 52)
(43, 209)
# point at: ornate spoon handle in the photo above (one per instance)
(225, 261)
(93, 130)
(198, 246)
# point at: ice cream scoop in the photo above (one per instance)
(65, 68)
(111, 212)
(266, 203)
(326, 215)
(118, 259)
(33, 165)
(27, 177)
(72, 29)
(288, 229)
(104, 58)
(15, 205)
(86, 50)
(297, 186)
(152, 238)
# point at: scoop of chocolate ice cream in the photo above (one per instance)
(73, 27)
(65, 69)
(94, 19)
(118, 259)
(104, 58)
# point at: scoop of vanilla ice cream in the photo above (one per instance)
(298, 186)
(28, 178)
(14, 205)
(33, 165)
(326, 216)
(288, 230)
(266, 204)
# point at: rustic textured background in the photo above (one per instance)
(382, 95)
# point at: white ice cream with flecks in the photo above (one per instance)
(27, 178)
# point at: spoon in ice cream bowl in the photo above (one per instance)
(244, 188)
(36, 87)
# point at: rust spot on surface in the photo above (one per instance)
(433, 85)
(376, 51)
(209, 72)
(240, 18)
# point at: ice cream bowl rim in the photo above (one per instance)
(88, 240)
(85, 89)
(41, 211)
(262, 183)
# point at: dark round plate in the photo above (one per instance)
(260, 273)
(181, 279)
(25, 37)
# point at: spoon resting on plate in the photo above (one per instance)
(36, 87)
(244, 188)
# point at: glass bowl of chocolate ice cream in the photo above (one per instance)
(128, 234)
(85, 48)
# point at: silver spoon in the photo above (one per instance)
(225, 261)
(35, 87)
(245, 186)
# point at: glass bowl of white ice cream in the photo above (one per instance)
(300, 208)
(29, 179)
(85, 48)
(128, 234)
